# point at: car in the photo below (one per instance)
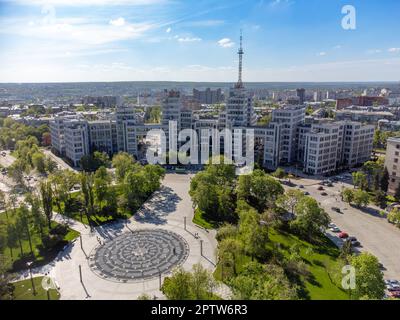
(324, 194)
(352, 239)
(331, 225)
(320, 188)
(343, 235)
(330, 184)
(336, 209)
(301, 186)
(355, 243)
(394, 294)
(335, 229)
(306, 193)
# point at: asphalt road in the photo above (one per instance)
(376, 235)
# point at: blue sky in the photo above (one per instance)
(121, 40)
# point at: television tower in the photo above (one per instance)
(240, 53)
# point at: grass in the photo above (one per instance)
(41, 255)
(320, 259)
(23, 290)
(199, 219)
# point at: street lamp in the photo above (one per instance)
(29, 264)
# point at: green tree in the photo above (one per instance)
(47, 200)
(361, 198)
(384, 183)
(394, 216)
(347, 195)
(253, 235)
(290, 199)
(229, 250)
(87, 186)
(123, 163)
(262, 282)
(360, 180)
(38, 161)
(178, 286)
(259, 190)
(310, 218)
(279, 173)
(369, 277)
(12, 238)
(102, 181)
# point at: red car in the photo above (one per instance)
(343, 235)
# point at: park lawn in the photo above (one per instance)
(41, 256)
(23, 290)
(319, 258)
(203, 222)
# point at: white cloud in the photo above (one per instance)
(394, 50)
(118, 22)
(168, 30)
(374, 51)
(76, 31)
(225, 43)
(321, 54)
(81, 3)
(337, 47)
(189, 39)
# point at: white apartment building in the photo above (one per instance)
(392, 163)
(103, 136)
(76, 135)
(239, 108)
(357, 143)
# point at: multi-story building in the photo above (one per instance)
(76, 137)
(208, 96)
(103, 136)
(392, 163)
(319, 146)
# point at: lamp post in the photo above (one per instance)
(80, 273)
(201, 247)
(184, 223)
(29, 264)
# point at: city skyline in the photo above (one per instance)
(162, 40)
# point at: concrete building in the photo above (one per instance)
(76, 137)
(392, 163)
(363, 115)
(208, 96)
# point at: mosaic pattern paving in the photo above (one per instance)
(139, 255)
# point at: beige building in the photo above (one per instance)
(392, 163)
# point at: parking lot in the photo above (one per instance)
(374, 233)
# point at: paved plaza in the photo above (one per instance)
(124, 259)
(138, 255)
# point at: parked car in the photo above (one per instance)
(355, 243)
(320, 188)
(324, 194)
(336, 209)
(330, 184)
(343, 235)
(301, 186)
(335, 229)
(306, 193)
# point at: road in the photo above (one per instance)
(376, 235)
(61, 163)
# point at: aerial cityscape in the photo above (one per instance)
(151, 182)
